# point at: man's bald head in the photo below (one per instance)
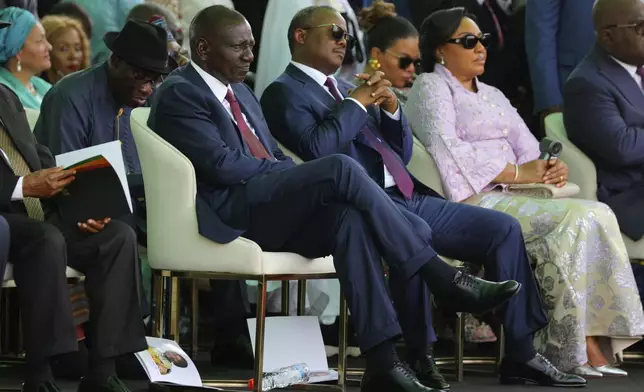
(619, 27)
(309, 16)
(611, 12)
(211, 21)
(221, 43)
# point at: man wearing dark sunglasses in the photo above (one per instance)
(315, 115)
(603, 110)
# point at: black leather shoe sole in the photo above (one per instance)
(432, 383)
(515, 380)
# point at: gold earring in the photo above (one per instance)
(18, 66)
(374, 63)
(442, 61)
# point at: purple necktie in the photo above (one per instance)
(392, 163)
(640, 72)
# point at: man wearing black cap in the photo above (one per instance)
(93, 106)
(40, 248)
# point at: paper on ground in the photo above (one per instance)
(292, 340)
(110, 151)
(165, 361)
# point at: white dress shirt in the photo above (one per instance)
(320, 79)
(632, 70)
(17, 191)
(220, 90)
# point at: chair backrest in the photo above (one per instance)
(32, 117)
(170, 191)
(581, 170)
(423, 167)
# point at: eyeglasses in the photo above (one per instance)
(637, 26)
(405, 61)
(146, 77)
(470, 41)
(337, 33)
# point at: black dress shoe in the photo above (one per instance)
(537, 371)
(47, 386)
(474, 295)
(427, 372)
(397, 379)
(112, 384)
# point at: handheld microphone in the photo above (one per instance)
(549, 148)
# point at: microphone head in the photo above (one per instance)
(550, 148)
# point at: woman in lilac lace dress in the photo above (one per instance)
(480, 144)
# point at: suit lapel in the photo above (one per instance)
(620, 77)
(311, 86)
(21, 135)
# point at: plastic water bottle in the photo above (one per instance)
(284, 377)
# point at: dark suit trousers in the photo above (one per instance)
(483, 237)
(331, 206)
(40, 253)
(628, 207)
(4, 244)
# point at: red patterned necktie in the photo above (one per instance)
(252, 141)
(497, 24)
(397, 170)
(640, 72)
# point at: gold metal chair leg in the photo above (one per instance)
(286, 294)
(459, 342)
(500, 346)
(195, 319)
(158, 300)
(174, 309)
(301, 297)
(259, 334)
(343, 341)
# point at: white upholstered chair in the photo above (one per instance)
(32, 117)
(582, 172)
(176, 249)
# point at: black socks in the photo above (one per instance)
(438, 275)
(38, 373)
(101, 370)
(381, 358)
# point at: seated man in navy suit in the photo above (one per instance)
(604, 110)
(246, 186)
(306, 111)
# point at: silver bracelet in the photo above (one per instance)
(516, 173)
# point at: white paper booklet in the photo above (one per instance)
(110, 151)
(165, 361)
(292, 340)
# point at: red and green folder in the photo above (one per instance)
(96, 193)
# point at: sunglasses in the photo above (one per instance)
(405, 61)
(470, 41)
(637, 26)
(337, 33)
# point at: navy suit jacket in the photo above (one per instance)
(604, 117)
(306, 119)
(186, 113)
(558, 34)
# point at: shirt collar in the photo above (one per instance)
(314, 74)
(631, 69)
(217, 87)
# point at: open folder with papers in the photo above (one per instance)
(100, 189)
